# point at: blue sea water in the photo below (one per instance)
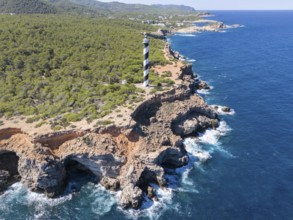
(250, 172)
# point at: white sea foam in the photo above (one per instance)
(103, 200)
(203, 91)
(212, 136)
(42, 204)
(18, 194)
(153, 209)
(191, 60)
(200, 149)
(14, 192)
(186, 35)
(194, 148)
(100, 200)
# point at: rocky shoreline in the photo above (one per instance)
(204, 25)
(127, 158)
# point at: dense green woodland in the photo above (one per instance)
(26, 7)
(89, 8)
(52, 65)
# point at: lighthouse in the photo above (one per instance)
(146, 61)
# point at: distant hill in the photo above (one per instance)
(26, 7)
(87, 7)
(70, 7)
(117, 7)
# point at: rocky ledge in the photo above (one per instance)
(127, 158)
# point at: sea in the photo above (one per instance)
(242, 170)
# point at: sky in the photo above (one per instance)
(222, 4)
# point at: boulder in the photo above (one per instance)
(131, 197)
(226, 109)
(151, 192)
(185, 128)
(110, 183)
(201, 85)
(206, 123)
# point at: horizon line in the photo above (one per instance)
(243, 9)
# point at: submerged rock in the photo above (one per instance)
(226, 109)
(199, 84)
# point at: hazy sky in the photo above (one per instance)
(222, 4)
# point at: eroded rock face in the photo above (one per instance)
(126, 158)
(131, 197)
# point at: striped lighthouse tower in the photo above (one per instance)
(146, 61)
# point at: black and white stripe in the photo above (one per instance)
(146, 61)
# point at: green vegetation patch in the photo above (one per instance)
(53, 65)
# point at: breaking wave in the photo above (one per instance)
(94, 200)
(186, 35)
(153, 209)
(179, 179)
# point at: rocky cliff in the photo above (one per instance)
(127, 158)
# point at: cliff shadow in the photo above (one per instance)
(146, 111)
(77, 175)
(8, 169)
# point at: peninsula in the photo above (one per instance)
(105, 124)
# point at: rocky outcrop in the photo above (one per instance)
(127, 158)
(8, 132)
(54, 140)
(199, 84)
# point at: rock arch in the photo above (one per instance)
(8, 169)
(77, 174)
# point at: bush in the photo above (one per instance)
(167, 74)
(33, 119)
(104, 122)
(40, 124)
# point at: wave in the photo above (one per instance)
(219, 110)
(204, 91)
(99, 195)
(186, 35)
(98, 200)
(37, 204)
(179, 180)
(212, 136)
(153, 209)
(33, 205)
(191, 60)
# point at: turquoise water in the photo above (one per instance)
(250, 172)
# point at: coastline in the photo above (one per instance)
(207, 26)
(128, 155)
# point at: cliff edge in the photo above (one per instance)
(127, 158)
